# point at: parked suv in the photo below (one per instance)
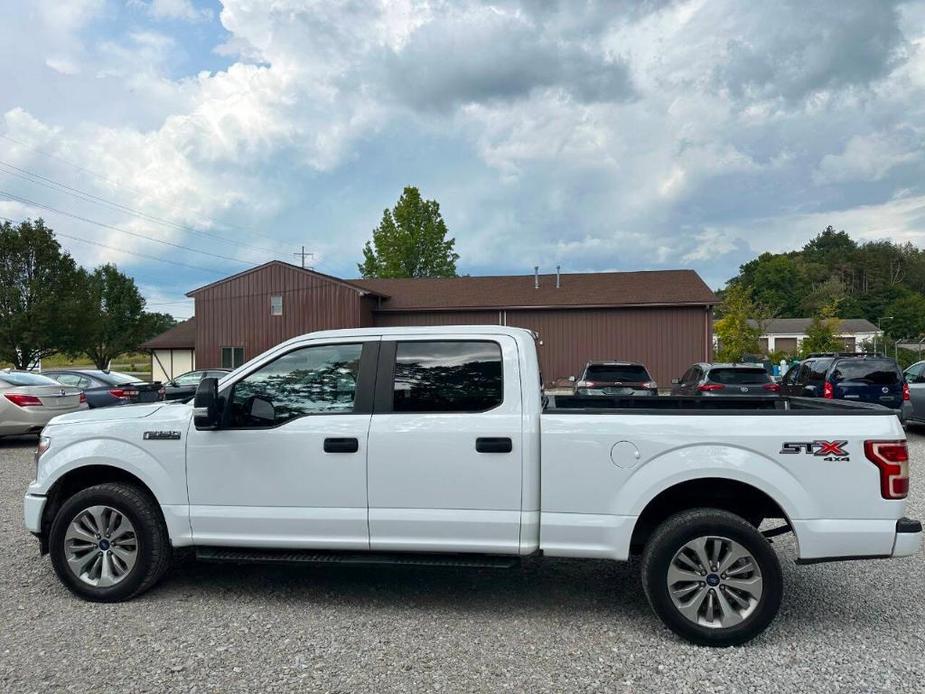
(864, 377)
(915, 381)
(708, 380)
(615, 378)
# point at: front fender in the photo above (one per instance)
(163, 476)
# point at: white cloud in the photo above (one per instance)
(599, 135)
(183, 10)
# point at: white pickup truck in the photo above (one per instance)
(436, 445)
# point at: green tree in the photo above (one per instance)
(908, 311)
(735, 331)
(114, 319)
(39, 286)
(821, 335)
(410, 241)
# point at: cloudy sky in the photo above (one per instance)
(594, 135)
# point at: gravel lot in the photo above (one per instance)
(856, 626)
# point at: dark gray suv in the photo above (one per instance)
(726, 379)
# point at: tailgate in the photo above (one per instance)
(54, 397)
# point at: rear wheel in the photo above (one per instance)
(712, 577)
(109, 542)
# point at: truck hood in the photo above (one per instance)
(107, 414)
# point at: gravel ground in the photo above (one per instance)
(559, 625)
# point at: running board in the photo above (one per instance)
(271, 556)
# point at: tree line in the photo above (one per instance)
(831, 278)
(51, 305)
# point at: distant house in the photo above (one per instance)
(786, 334)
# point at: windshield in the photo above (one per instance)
(23, 378)
(633, 373)
(739, 376)
(881, 372)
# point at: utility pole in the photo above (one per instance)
(303, 254)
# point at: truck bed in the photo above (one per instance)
(575, 404)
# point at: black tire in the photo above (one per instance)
(671, 536)
(153, 542)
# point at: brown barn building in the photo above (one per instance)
(661, 318)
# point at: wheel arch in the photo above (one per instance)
(725, 493)
(82, 477)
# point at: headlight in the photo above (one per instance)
(44, 445)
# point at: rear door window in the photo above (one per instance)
(622, 373)
(739, 376)
(879, 372)
(817, 371)
(447, 376)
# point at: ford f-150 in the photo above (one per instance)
(437, 445)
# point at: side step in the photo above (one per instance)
(288, 556)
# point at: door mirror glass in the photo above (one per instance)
(205, 405)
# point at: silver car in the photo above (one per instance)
(29, 400)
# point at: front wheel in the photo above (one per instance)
(109, 542)
(711, 577)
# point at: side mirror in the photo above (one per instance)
(675, 381)
(205, 405)
(260, 408)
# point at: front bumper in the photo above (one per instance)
(33, 507)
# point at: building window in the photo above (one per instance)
(232, 357)
(276, 305)
(451, 376)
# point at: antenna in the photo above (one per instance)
(303, 254)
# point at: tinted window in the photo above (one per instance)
(310, 380)
(817, 371)
(625, 373)
(447, 376)
(739, 376)
(68, 379)
(23, 378)
(881, 372)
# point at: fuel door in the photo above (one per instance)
(624, 454)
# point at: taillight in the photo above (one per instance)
(828, 390)
(123, 393)
(906, 395)
(83, 398)
(585, 384)
(650, 384)
(892, 457)
(21, 400)
(773, 387)
(709, 387)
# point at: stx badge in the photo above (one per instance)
(831, 451)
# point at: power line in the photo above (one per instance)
(109, 181)
(27, 201)
(57, 186)
(125, 250)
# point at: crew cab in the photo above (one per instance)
(437, 445)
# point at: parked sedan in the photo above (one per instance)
(106, 388)
(751, 380)
(184, 386)
(615, 378)
(30, 400)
